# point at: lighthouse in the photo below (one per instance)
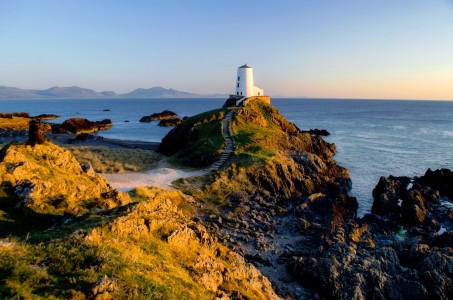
(244, 83)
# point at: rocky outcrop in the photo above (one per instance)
(80, 125)
(15, 114)
(318, 242)
(27, 115)
(48, 180)
(387, 193)
(35, 133)
(164, 115)
(171, 122)
(196, 142)
(440, 180)
(46, 117)
(415, 205)
(214, 268)
(316, 131)
(374, 259)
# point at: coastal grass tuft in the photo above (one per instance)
(115, 160)
(125, 253)
(15, 123)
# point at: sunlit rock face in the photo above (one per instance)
(48, 179)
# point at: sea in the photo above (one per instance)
(374, 138)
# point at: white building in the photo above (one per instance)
(244, 83)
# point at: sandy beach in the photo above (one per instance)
(161, 175)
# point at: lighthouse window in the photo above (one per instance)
(239, 78)
(238, 84)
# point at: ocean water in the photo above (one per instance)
(373, 137)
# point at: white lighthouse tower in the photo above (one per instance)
(244, 83)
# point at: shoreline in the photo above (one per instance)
(69, 139)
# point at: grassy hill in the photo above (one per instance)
(64, 234)
(271, 155)
(146, 250)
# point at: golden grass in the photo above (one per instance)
(115, 160)
(150, 251)
(16, 123)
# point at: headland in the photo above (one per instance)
(273, 221)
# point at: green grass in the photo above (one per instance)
(197, 142)
(128, 245)
(67, 261)
(113, 160)
(15, 222)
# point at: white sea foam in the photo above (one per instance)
(398, 127)
(447, 133)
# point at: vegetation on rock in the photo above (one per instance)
(47, 179)
(150, 250)
(14, 123)
(115, 160)
(271, 155)
(198, 141)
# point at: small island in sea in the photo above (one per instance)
(266, 216)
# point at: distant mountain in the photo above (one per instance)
(76, 92)
(15, 93)
(53, 92)
(159, 92)
(73, 92)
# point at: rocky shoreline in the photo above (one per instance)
(289, 214)
(318, 242)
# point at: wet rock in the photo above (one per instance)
(82, 137)
(441, 180)
(387, 193)
(170, 122)
(321, 132)
(6, 115)
(80, 125)
(21, 115)
(46, 117)
(166, 114)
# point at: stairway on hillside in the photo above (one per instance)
(226, 132)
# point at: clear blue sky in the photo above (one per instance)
(315, 48)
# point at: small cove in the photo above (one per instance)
(373, 137)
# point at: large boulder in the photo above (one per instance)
(35, 132)
(441, 180)
(412, 206)
(387, 194)
(331, 212)
(81, 125)
(48, 180)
